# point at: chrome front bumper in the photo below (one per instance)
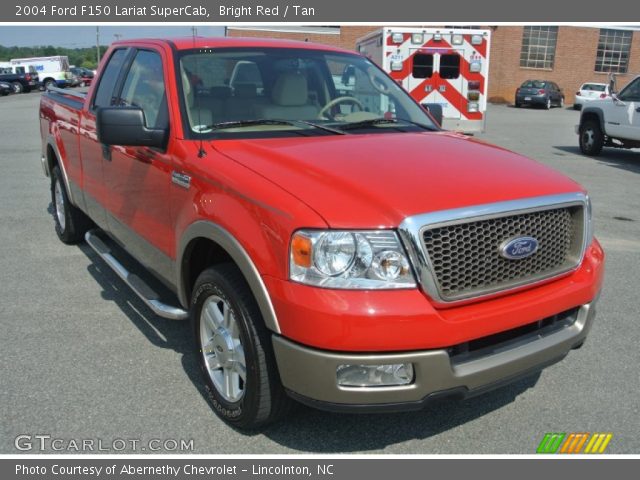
(309, 375)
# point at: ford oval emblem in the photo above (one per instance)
(517, 248)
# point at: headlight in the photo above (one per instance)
(589, 214)
(349, 259)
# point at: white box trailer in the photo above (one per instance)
(53, 71)
(444, 66)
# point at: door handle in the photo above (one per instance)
(144, 154)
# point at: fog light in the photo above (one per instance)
(473, 107)
(375, 375)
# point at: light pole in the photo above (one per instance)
(97, 46)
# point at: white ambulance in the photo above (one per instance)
(444, 66)
(53, 71)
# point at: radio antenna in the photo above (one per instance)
(196, 96)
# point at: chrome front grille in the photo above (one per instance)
(457, 253)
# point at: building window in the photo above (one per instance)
(538, 47)
(613, 50)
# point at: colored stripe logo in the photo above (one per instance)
(574, 443)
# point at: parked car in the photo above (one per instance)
(5, 88)
(612, 121)
(539, 92)
(342, 251)
(590, 91)
(21, 81)
(85, 75)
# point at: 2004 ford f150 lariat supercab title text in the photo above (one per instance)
(328, 241)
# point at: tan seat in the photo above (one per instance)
(289, 99)
(196, 114)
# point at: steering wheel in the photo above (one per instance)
(336, 101)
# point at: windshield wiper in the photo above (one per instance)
(268, 121)
(384, 121)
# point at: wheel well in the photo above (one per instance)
(591, 116)
(52, 158)
(201, 253)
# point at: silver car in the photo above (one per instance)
(590, 91)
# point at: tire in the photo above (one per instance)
(70, 223)
(591, 138)
(561, 104)
(518, 105)
(547, 105)
(231, 340)
(577, 106)
(49, 83)
(17, 87)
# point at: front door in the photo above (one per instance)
(138, 178)
(623, 119)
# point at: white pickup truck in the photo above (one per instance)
(611, 122)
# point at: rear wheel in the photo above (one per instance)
(17, 87)
(591, 138)
(70, 223)
(548, 104)
(234, 350)
(561, 104)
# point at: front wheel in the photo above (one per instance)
(561, 104)
(591, 138)
(234, 350)
(17, 87)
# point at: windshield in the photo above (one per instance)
(266, 92)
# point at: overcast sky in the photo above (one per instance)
(75, 37)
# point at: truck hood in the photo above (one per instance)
(376, 180)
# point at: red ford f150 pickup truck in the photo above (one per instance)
(328, 241)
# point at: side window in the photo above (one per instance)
(422, 65)
(144, 87)
(104, 94)
(631, 93)
(20, 70)
(450, 66)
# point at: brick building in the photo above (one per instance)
(567, 55)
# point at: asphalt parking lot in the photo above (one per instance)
(83, 358)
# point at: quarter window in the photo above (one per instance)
(105, 92)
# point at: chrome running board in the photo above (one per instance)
(146, 294)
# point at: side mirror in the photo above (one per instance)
(126, 126)
(435, 110)
(612, 83)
